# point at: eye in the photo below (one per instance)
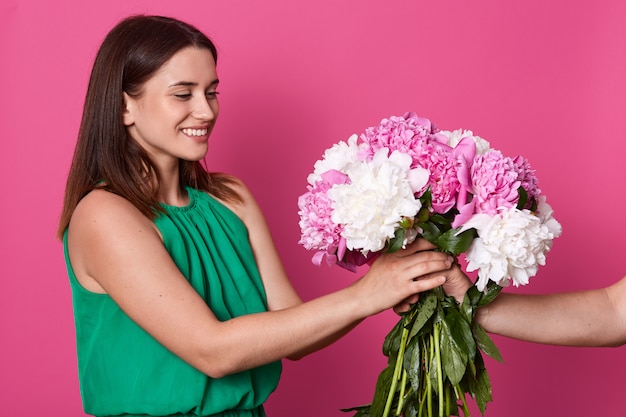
(183, 96)
(212, 95)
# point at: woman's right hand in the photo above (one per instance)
(395, 279)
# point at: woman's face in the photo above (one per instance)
(174, 113)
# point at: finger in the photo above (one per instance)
(435, 274)
(401, 308)
(405, 305)
(412, 299)
(426, 284)
(425, 263)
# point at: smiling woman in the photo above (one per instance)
(132, 53)
(182, 306)
(175, 109)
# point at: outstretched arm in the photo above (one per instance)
(586, 318)
(281, 294)
(115, 249)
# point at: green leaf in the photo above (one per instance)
(468, 383)
(471, 366)
(427, 198)
(397, 241)
(461, 332)
(477, 298)
(383, 385)
(362, 411)
(412, 362)
(430, 231)
(426, 306)
(423, 215)
(453, 358)
(432, 372)
(485, 343)
(466, 308)
(473, 296)
(441, 220)
(483, 389)
(490, 293)
(454, 243)
(451, 407)
(523, 198)
(392, 340)
(411, 404)
(533, 204)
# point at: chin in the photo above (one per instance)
(193, 158)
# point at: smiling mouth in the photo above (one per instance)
(195, 132)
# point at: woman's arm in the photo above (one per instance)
(115, 249)
(280, 292)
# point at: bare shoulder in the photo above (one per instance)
(108, 225)
(104, 212)
(240, 187)
(248, 208)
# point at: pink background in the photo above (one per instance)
(542, 78)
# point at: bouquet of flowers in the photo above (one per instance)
(406, 178)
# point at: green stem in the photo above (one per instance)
(436, 330)
(402, 388)
(430, 388)
(460, 394)
(424, 382)
(396, 371)
(422, 401)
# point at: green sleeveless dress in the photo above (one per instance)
(123, 371)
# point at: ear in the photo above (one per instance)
(129, 110)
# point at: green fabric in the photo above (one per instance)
(124, 371)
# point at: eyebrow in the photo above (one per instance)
(191, 84)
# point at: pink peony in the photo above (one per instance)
(526, 176)
(494, 182)
(318, 230)
(407, 134)
(444, 183)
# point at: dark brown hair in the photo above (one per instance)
(106, 156)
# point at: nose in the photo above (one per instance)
(205, 109)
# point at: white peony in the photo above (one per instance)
(339, 157)
(511, 245)
(380, 193)
(454, 137)
(545, 213)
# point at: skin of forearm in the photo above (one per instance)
(588, 318)
(257, 339)
(324, 342)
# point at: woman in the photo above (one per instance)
(181, 304)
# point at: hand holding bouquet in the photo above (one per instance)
(405, 178)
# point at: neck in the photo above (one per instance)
(170, 191)
(173, 196)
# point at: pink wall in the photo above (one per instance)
(541, 78)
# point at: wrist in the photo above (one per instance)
(481, 314)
